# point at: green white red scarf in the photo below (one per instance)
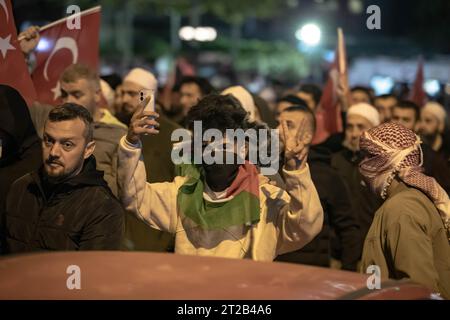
(242, 208)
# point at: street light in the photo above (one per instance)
(201, 34)
(309, 34)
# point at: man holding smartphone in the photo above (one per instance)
(223, 210)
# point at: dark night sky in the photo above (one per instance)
(416, 25)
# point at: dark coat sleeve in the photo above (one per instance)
(104, 230)
(344, 221)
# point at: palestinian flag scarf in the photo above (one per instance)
(241, 204)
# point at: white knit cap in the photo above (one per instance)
(245, 98)
(366, 111)
(436, 110)
(107, 92)
(142, 77)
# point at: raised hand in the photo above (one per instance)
(142, 123)
(296, 144)
(29, 39)
(343, 92)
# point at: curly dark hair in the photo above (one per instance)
(220, 112)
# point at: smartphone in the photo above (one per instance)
(151, 103)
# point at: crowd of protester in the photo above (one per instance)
(96, 173)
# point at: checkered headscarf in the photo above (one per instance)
(394, 151)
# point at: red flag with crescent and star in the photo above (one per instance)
(13, 68)
(61, 45)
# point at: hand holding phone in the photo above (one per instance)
(151, 103)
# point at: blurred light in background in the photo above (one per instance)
(202, 34)
(309, 34)
(43, 45)
(205, 34)
(328, 55)
(187, 33)
(163, 66)
(382, 84)
(432, 87)
(355, 6)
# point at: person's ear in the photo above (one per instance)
(89, 149)
(441, 127)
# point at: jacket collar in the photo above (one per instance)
(88, 176)
(400, 187)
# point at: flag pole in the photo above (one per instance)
(73, 16)
(341, 63)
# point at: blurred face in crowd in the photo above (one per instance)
(405, 117)
(65, 147)
(84, 92)
(130, 96)
(429, 125)
(309, 99)
(359, 96)
(356, 126)
(190, 94)
(385, 107)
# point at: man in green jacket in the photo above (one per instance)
(410, 232)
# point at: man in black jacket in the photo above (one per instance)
(339, 217)
(66, 204)
(360, 118)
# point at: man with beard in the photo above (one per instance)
(431, 127)
(339, 219)
(385, 105)
(66, 204)
(360, 118)
(223, 210)
(410, 233)
(81, 85)
(407, 113)
(136, 80)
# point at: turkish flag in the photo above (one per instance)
(328, 117)
(65, 43)
(418, 95)
(13, 69)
